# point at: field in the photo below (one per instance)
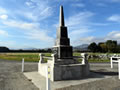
(18, 56)
(34, 57)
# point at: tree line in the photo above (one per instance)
(5, 49)
(109, 46)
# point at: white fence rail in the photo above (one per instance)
(115, 59)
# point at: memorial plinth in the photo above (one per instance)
(63, 66)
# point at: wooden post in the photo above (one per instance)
(23, 65)
(48, 78)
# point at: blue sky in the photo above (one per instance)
(33, 23)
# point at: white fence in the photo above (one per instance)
(115, 59)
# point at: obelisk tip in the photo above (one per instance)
(61, 16)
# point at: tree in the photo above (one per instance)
(93, 47)
(103, 47)
(4, 49)
(118, 49)
(111, 45)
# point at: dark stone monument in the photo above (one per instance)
(62, 44)
(62, 47)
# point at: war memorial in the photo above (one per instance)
(63, 66)
(65, 72)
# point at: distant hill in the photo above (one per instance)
(83, 47)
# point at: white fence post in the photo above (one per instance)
(83, 59)
(23, 65)
(48, 78)
(41, 58)
(111, 62)
(39, 65)
(119, 68)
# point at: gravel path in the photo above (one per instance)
(11, 77)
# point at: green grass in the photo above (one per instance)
(34, 57)
(18, 56)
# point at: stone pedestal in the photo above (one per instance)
(69, 72)
(61, 70)
(65, 72)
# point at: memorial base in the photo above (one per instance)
(65, 72)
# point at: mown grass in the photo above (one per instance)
(34, 57)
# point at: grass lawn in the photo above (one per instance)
(35, 57)
(18, 56)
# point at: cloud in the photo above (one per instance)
(78, 21)
(2, 10)
(20, 24)
(81, 19)
(88, 40)
(115, 18)
(3, 33)
(85, 40)
(101, 4)
(39, 35)
(114, 35)
(31, 30)
(28, 3)
(8, 43)
(77, 32)
(4, 17)
(40, 10)
(3, 13)
(78, 5)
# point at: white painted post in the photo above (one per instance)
(83, 59)
(53, 58)
(23, 65)
(48, 78)
(41, 58)
(111, 62)
(119, 68)
(39, 66)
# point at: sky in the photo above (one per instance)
(33, 23)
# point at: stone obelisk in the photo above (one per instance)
(63, 66)
(62, 44)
